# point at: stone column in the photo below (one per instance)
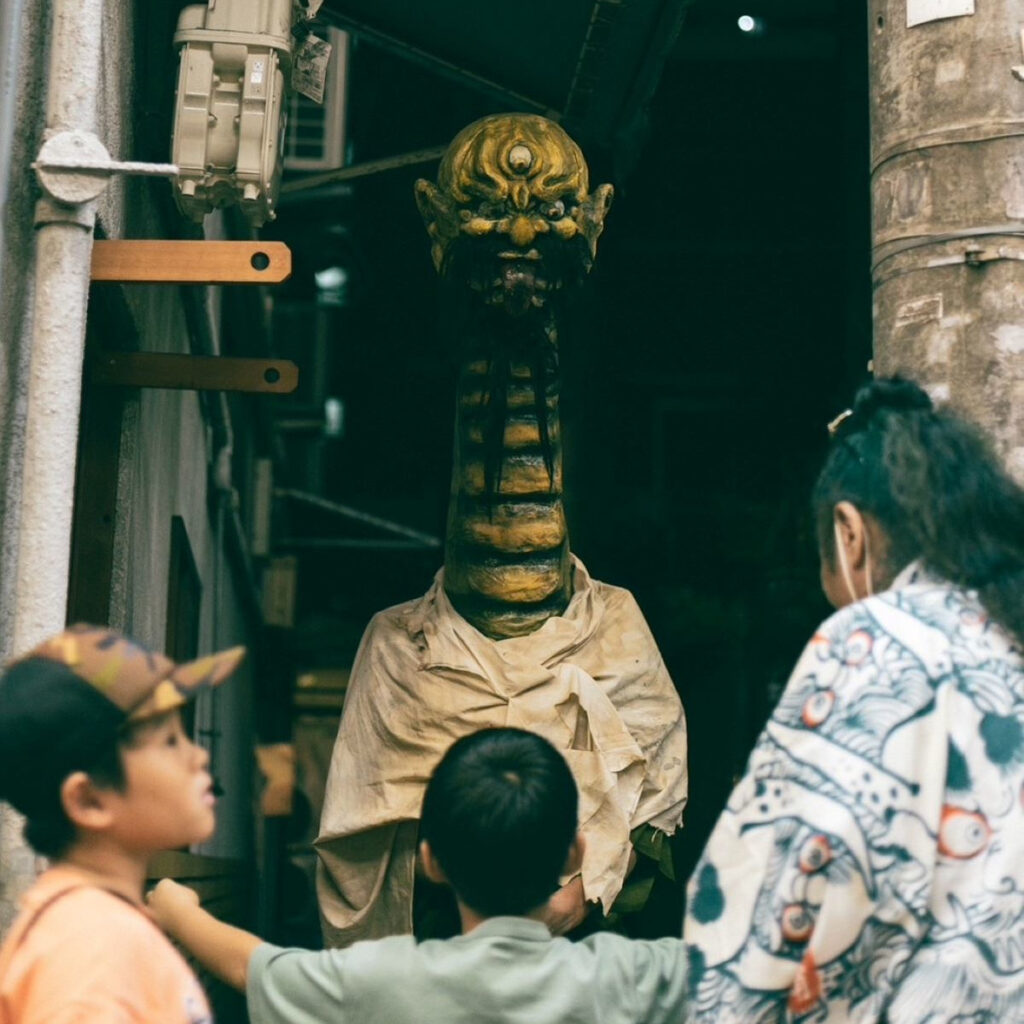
(947, 184)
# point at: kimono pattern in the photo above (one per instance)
(869, 866)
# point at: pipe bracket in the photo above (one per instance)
(71, 167)
(50, 211)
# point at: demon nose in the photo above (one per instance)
(522, 231)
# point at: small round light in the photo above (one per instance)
(746, 23)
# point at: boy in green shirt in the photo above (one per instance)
(499, 825)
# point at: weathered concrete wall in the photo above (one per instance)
(16, 291)
(165, 455)
(27, 80)
(167, 448)
(948, 210)
(166, 444)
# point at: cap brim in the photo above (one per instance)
(186, 680)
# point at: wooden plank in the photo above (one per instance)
(182, 864)
(195, 373)
(190, 262)
(95, 520)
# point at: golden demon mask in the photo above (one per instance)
(517, 180)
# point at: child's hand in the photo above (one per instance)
(167, 899)
(567, 907)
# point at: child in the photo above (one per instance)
(92, 753)
(499, 825)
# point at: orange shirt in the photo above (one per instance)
(78, 954)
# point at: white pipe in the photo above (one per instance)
(63, 251)
(138, 168)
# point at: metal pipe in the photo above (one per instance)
(138, 168)
(433, 62)
(63, 252)
(388, 163)
(425, 540)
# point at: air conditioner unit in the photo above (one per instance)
(315, 135)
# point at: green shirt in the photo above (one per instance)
(508, 970)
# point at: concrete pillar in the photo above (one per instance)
(947, 184)
(63, 247)
(17, 865)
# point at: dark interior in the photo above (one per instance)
(726, 321)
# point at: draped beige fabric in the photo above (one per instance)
(590, 681)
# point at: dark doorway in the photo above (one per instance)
(727, 320)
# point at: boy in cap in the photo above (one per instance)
(93, 754)
(499, 825)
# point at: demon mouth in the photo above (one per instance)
(517, 285)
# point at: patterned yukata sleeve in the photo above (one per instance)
(812, 891)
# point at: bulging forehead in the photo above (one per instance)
(492, 155)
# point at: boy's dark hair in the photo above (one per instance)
(935, 488)
(90, 741)
(500, 814)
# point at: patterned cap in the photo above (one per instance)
(65, 702)
(139, 682)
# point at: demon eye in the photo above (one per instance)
(818, 707)
(554, 211)
(814, 854)
(488, 209)
(962, 834)
(797, 923)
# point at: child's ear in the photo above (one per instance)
(85, 803)
(574, 859)
(431, 868)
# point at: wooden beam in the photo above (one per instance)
(186, 262)
(195, 373)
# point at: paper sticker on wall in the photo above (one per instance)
(919, 311)
(921, 11)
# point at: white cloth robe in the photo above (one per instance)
(591, 681)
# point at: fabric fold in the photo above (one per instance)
(591, 681)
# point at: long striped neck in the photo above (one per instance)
(507, 565)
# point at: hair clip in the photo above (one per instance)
(834, 425)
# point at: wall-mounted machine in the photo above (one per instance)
(229, 110)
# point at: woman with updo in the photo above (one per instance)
(869, 866)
